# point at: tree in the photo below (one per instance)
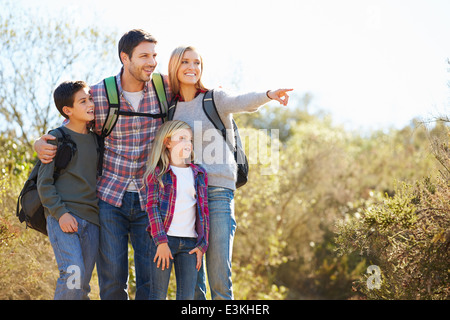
(38, 52)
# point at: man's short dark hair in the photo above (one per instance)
(64, 94)
(132, 39)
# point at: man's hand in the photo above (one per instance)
(45, 151)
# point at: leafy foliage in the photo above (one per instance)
(325, 174)
(288, 243)
(408, 237)
(38, 52)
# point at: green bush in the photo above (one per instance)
(407, 236)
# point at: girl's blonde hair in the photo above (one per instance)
(174, 64)
(159, 154)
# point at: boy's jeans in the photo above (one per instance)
(185, 271)
(117, 225)
(222, 224)
(75, 253)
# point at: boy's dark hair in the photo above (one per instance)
(64, 94)
(132, 39)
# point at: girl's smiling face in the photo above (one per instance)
(180, 146)
(190, 70)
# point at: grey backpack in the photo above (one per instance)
(209, 107)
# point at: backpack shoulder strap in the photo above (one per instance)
(112, 94)
(66, 139)
(158, 84)
(66, 145)
(172, 108)
(63, 137)
(209, 107)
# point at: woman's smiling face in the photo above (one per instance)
(190, 70)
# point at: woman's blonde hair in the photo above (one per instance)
(159, 154)
(174, 64)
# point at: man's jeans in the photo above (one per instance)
(75, 253)
(117, 225)
(185, 269)
(222, 224)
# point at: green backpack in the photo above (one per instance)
(112, 94)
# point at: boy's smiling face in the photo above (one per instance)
(83, 106)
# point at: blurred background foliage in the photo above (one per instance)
(321, 205)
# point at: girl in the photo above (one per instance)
(177, 207)
(185, 71)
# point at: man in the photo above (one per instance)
(120, 188)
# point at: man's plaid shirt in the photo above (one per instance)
(128, 145)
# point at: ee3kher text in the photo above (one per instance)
(229, 309)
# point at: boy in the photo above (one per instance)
(120, 189)
(70, 203)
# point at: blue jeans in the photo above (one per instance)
(185, 271)
(222, 224)
(75, 254)
(117, 225)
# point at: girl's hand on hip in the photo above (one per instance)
(163, 256)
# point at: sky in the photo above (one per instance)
(370, 64)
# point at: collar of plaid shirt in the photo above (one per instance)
(127, 147)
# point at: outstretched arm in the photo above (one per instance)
(248, 102)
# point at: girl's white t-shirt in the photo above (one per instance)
(183, 221)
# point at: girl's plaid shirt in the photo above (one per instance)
(161, 205)
(128, 145)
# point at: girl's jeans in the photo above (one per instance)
(218, 256)
(117, 225)
(75, 253)
(185, 271)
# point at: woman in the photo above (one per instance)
(185, 71)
